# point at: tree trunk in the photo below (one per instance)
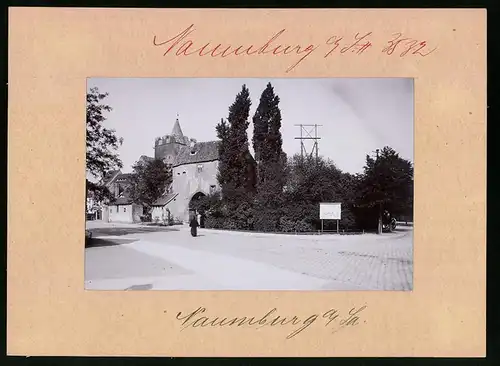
(379, 229)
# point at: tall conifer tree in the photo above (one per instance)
(261, 122)
(235, 176)
(267, 140)
(271, 160)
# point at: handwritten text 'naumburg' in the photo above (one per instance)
(334, 319)
(186, 43)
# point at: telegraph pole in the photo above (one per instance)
(309, 133)
(379, 226)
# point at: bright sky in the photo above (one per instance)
(357, 115)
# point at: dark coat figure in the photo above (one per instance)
(194, 226)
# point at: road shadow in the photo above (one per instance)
(119, 231)
(402, 229)
(144, 287)
(101, 242)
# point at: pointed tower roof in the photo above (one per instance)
(176, 131)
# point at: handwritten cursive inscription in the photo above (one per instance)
(332, 318)
(407, 46)
(185, 44)
(352, 318)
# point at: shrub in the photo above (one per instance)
(214, 222)
(165, 220)
(231, 224)
(146, 217)
(289, 225)
(266, 220)
(238, 215)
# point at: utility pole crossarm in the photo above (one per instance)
(309, 132)
(307, 138)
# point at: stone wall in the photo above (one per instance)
(167, 151)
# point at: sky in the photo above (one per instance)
(357, 116)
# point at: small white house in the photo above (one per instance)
(123, 210)
(160, 212)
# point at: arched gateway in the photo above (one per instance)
(196, 209)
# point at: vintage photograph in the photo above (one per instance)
(249, 184)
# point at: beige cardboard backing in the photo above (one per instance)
(51, 53)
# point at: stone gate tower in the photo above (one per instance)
(167, 147)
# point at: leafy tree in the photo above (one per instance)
(314, 180)
(386, 185)
(311, 181)
(148, 181)
(102, 143)
(99, 192)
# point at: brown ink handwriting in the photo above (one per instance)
(360, 44)
(407, 46)
(185, 44)
(200, 319)
(350, 320)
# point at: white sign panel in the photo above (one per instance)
(329, 211)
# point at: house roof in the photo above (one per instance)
(203, 151)
(166, 198)
(123, 177)
(121, 201)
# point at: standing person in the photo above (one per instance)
(194, 225)
(202, 220)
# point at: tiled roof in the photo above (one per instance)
(123, 177)
(166, 198)
(121, 201)
(204, 151)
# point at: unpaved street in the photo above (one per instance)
(148, 258)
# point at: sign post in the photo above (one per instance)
(330, 211)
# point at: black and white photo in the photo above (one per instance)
(249, 184)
